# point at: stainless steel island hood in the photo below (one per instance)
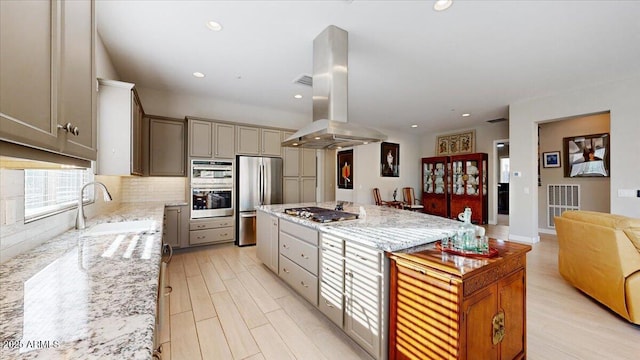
(330, 129)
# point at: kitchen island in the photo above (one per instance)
(383, 228)
(77, 297)
(340, 267)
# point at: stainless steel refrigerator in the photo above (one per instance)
(258, 182)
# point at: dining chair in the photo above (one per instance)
(377, 198)
(410, 201)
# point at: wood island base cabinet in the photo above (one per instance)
(451, 307)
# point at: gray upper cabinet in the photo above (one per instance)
(200, 138)
(291, 159)
(167, 155)
(208, 139)
(248, 140)
(257, 141)
(47, 76)
(225, 141)
(270, 142)
(137, 136)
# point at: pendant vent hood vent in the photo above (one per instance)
(330, 129)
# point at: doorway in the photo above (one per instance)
(502, 175)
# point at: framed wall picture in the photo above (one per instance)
(453, 144)
(389, 159)
(587, 156)
(345, 169)
(551, 159)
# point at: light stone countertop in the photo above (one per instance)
(383, 228)
(79, 297)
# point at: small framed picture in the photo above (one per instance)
(551, 159)
(389, 159)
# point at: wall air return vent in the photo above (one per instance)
(497, 120)
(560, 198)
(304, 79)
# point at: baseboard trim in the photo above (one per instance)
(525, 239)
(547, 231)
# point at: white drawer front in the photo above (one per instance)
(301, 232)
(302, 253)
(302, 281)
(210, 223)
(211, 236)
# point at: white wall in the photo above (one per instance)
(622, 99)
(175, 105)
(104, 65)
(366, 170)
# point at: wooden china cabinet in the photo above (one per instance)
(469, 186)
(451, 183)
(436, 185)
(444, 306)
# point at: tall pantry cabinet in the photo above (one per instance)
(452, 183)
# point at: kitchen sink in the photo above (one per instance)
(123, 227)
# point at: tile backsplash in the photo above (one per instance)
(148, 189)
(17, 237)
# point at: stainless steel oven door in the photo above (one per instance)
(211, 172)
(211, 202)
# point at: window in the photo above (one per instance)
(50, 191)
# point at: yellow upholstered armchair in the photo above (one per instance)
(599, 254)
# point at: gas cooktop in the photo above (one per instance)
(319, 214)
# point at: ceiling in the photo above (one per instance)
(408, 64)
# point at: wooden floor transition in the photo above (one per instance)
(226, 305)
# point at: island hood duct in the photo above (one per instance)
(330, 129)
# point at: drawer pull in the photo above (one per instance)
(285, 270)
(201, 237)
(361, 257)
(303, 284)
(225, 224)
(304, 257)
(328, 304)
(169, 290)
(225, 234)
(285, 246)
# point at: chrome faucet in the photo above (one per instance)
(80, 219)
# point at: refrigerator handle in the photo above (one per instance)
(260, 184)
(264, 184)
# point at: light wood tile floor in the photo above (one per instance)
(226, 305)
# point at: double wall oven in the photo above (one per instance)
(211, 188)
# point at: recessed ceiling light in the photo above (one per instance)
(442, 5)
(339, 147)
(414, 125)
(297, 96)
(295, 144)
(198, 74)
(500, 145)
(317, 138)
(214, 26)
(466, 115)
(365, 142)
